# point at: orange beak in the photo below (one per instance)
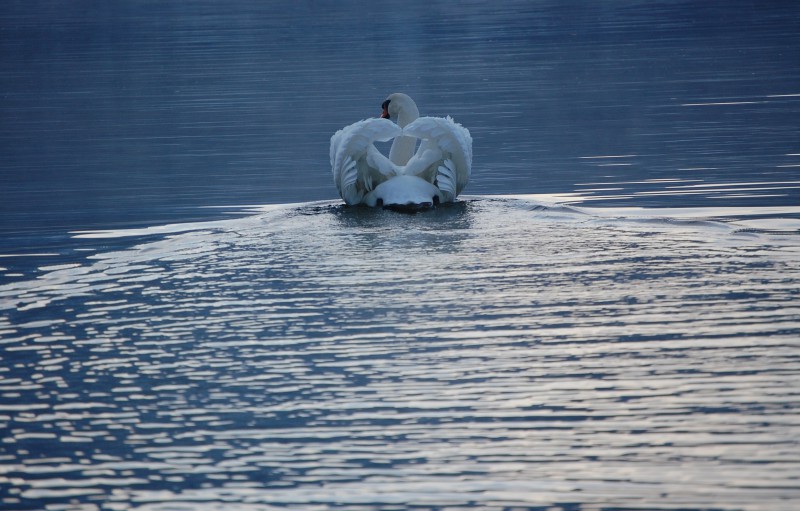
(385, 114)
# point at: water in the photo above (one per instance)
(494, 353)
(622, 336)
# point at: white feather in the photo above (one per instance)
(443, 159)
(356, 164)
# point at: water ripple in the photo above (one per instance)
(499, 353)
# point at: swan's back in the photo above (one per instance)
(443, 159)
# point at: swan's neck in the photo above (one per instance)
(403, 147)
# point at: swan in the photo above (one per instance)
(408, 179)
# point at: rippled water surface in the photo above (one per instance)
(621, 334)
(495, 353)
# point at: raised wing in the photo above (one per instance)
(445, 154)
(358, 167)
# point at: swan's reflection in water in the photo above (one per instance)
(489, 354)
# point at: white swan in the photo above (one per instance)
(436, 172)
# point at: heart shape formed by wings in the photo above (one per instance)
(437, 171)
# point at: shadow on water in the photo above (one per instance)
(454, 215)
(363, 230)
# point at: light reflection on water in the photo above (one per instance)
(640, 353)
(496, 353)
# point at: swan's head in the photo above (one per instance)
(399, 106)
(385, 114)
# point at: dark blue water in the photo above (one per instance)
(608, 320)
(118, 113)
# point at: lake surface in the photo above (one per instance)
(608, 320)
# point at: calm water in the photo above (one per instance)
(622, 333)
